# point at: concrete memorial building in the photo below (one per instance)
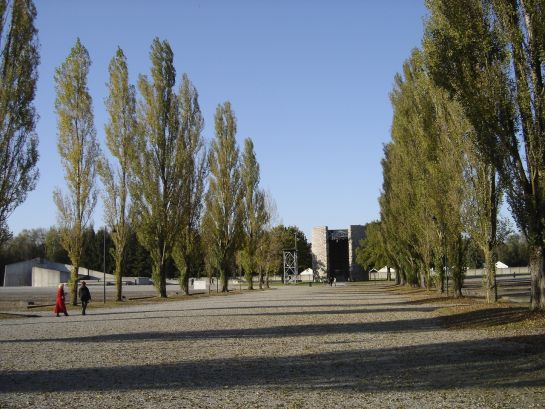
(40, 272)
(334, 253)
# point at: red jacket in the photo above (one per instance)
(59, 305)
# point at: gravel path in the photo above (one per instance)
(289, 347)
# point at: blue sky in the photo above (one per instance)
(308, 81)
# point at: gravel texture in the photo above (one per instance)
(288, 347)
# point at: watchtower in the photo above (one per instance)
(290, 263)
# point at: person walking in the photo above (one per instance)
(85, 296)
(60, 306)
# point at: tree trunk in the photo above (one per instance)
(426, 275)
(441, 279)
(458, 272)
(489, 280)
(249, 280)
(402, 278)
(423, 275)
(490, 254)
(184, 280)
(457, 281)
(267, 279)
(537, 277)
(162, 280)
(74, 284)
(388, 273)
(224, 280)
(260, 279)
(159, 272)
(118, 282)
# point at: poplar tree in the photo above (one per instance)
(394, 247)
(223, 215)
(255, 215)
(268, 254)
(187, 248)
(371, 251)
(19, 60)
(490, 56)
(266, 249)
(423, 176)
(121, 131)
(482, 200)
(157, 166)
(79, 152)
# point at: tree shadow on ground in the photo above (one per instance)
(492, 364)
(486, 317)
(301, 308)
(413, 325)
(323, 297)
(330, 312)
(444, 299)
(300, 311)
(292, 305)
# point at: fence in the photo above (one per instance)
(471, 272)
(510, 271)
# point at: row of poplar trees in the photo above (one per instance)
(468, 129)
(181, 195)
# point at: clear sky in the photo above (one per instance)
(309, 82)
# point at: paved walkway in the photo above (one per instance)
(290, 347)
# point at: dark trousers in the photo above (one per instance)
(84, 307)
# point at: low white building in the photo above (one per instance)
(36, 272)
(40, 272)
(381, 274)
(307, 275)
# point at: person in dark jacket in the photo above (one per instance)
(85, 296)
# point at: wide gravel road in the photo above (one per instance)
(288, 347)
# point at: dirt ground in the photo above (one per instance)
(365, 345)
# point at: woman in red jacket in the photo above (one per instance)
(59, 305)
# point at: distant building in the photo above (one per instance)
(334, 253)
(36, 272)
(40, 272)
(307, 275)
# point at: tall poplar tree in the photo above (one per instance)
(187, 247)
(157, 166)
(423, 176)
(79, 152)
(255, 216)
(19, 60)
(394, 248)
(490, 56)
(223, 215)
(121, 131)
(482, 200)
(371, 252)
(266, 251)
